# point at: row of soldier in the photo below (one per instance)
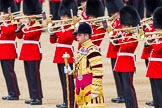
(123, 74)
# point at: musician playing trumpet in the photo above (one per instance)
(125, 63)
(31, 52)
(155, 61)
(99, 12)
(63, 38)
(113, 7)
(8, 52)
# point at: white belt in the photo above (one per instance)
(64, 45)
(7, 42)
(155, 59)
(31, 42)
(125, 54)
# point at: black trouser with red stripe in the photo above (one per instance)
(152, 88)
(63, 84)
(157, 91)
(128, 89)
(10, 77)
(117, 79)
(33, 79)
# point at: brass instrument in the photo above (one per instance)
(146, 20)
(38, 19)
(153, 37)
(9, 18)
(61, 23)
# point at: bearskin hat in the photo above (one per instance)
(151, 5)
(5, 4)
(94, 8)
(66, 6)
(157, 22)
(32, 7)
(129, 16)
(114, 6)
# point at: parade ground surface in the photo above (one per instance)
(51, 83)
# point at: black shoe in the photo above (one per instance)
(150, 103)
(118, 100)
(64, 105)
(59, 105)
(34, 102)
(9, 97)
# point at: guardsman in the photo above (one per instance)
(113, 7)
(147, 51)
(64, 40)
(99, 12)
(31, 51)
(88, 71)
(18, 3)
(8, 51)
(151, 5)
(54, 6)
(155, 61)
(125, 63)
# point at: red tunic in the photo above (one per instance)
(125, 60)
(155, 62)
(7, 42)
(112, 49)
(95, 32)
(31, 48)
(147, 50)
(64, 42)
(18, 1)
(41, 1)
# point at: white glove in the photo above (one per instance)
(94, 95)
(67, 70)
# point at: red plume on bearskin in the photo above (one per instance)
(5, 4)
(32, 7)
(94, 8)
(129, 16)
(66, 6)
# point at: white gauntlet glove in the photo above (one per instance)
(67, 70)
(94, 95)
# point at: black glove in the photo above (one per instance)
(144, 27)
(52, 34)
(19, 28)
(119, 36)
(146, 45)
(115, 41)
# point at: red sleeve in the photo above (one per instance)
(53, 38)
(8, 30)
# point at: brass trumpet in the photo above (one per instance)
(146, 20)
(31, 16)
